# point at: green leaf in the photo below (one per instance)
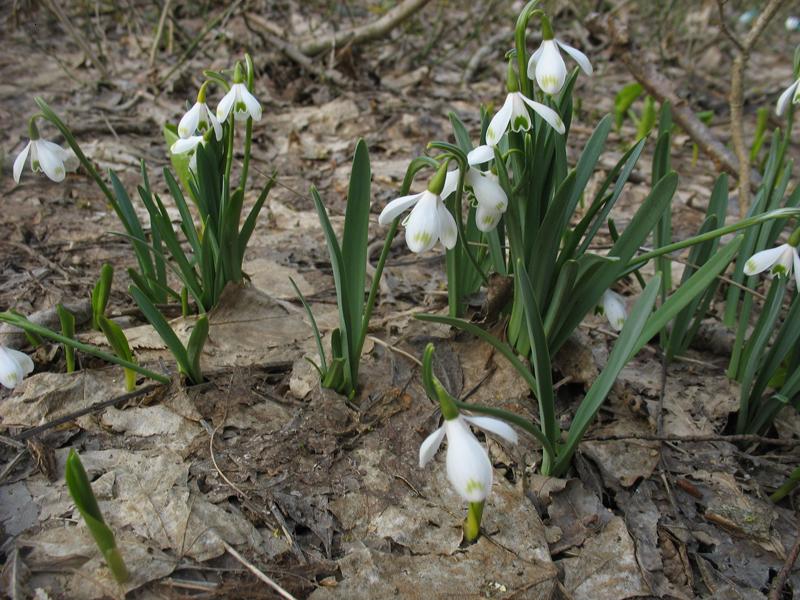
(317, 337)
(624, 100)
(180, 162)
(116, 338)
(624, 349)
(100, 294)
(194, 348)
(67, 330)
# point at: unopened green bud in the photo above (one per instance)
(238, 73)
(33, 130)
(436, 184)
(201, 94)
(472, 524)
(794, 239)
(446, 402)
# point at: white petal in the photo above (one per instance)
(19, 162)
(71, 162)
(614, 309)
(578, 56)
(486, 218)
(422, 225)
(487, 190)
(396, 207)
(784, 262)
(520, 119)
(495, 426)
(450, 183)
(448, 231)
(796, 261)
(548, 114)
(787, 94)
(499, 122)
(11, 370)
(761, 261)
(190, 121)
(532, 62)
(253, 107)
(183, 145)
(430, 446)
(50, 159)
(225, 105)
(215, 124)
(551, 72)
(480, 155)
(23, 360)
(468, 466)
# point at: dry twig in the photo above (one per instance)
(780, 580)
(258, 573)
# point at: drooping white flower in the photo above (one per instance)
(492, 200)
(781, 260)
(45, 156)
(14, 366)
(428, 222)
(614, 309)
(468, 467)
(791, 93)
(792, 23)
(198, 119)
(188, 146)
(547, 66)
(514, 115)
(242, 102)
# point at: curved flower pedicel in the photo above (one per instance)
(780, 260)
(14, 366)
(546, 65)
(429, 220)
(468, 467)
(791, 93)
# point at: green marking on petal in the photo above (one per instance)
(521, 122)
(750, 265)
(549, 81)
(423, 237)
(35, 166)
(488, 220)
(240, 107)
(779, 270)
(474, 486)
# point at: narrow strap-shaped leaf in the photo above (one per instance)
(460, 133)
(194, 348)
(116, 338)
(317, 337)
(252, 217)
(165, 332)
(100, 293)
(623, 350)
(587, 163)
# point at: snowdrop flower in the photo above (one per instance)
(199, 118)
(492, 201)
(546, 64)
(240, 100)
(429, 220)
(45, 156)
(614, 309)
(514, 114)
(468, 467)
(780, 260)
(188, 146)
(14, 366)
(791, 93)
(747, 17)
(792, 23)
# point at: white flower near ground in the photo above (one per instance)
(792, 23)
(468, 467)
(198, 119)
(791, 93)
(242, 102)
(45, 156)
(614, 309)
(547, 66)
(14, 366)
(429, 221)
(188, 146)
(781, 260)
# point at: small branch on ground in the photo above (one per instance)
(779, 583)
(661, 89)
(77, 36)
(366, 33)
(733, 439)
(736, 98)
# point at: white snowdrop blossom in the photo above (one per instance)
(428, 222)
(792, 23)
(548, 68)
(188, 146)
(45, 156)
(14, 366)
(198, 119)
(492, 201)
(781, 260)
(791, 93)
(468, 467)
(614, 309)
(514, 115)
(242, 102)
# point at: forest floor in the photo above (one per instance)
(323, 497)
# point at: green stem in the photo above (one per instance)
(520, 32)
(788, 486)
(472, 524)
(30, 327)
(780, 213)
(130, 380)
